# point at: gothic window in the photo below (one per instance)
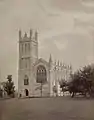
(26, 80)
(29, 47)
(41, 74)
(22, 48)
(21, 63)
(26, 63)
(25, 47)
(29, 63)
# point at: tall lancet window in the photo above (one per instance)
(26, 80)
(21, 48)
(29, 48)
(26, 63)
(22, 62)
(25, 47)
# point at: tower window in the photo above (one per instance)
(22, 63)
(22, 48)
(26, 80)
(25, 48)
(29, 47)
(26, 63)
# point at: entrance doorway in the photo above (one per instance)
(26, 92)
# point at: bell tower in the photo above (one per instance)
(28, 55)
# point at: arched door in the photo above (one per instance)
(26, 92)
(41, 76)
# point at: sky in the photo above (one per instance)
(65, 30)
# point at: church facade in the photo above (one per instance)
(37, 76)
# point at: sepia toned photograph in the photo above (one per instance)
(47, 60)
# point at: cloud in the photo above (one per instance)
(88, 3)
(54, 20)
(61, 45)
(90, 59)
(71, 47)
(46, 9)
(73, 5)
(84, 23)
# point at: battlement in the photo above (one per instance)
(33, 35)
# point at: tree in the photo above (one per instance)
(1, 92)
(83, 81)
(9, 86)
(88, 78)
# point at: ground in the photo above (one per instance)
(60, 108)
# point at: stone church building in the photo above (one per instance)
(37, 76)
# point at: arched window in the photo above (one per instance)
(26, 80)
(25, 47)
(26, 62)
(29, 47)
(22, 63)
(21, 48)
(41, 75)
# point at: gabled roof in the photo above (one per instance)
(41, 60)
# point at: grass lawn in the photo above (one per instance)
(60, 108)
